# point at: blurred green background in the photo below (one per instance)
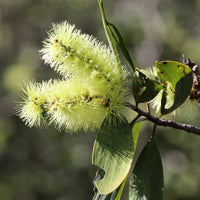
(50, 165)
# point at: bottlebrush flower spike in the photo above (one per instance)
(70, 104)
(94, 84)
(70, 52)
(31, 110)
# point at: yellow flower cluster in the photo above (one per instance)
(93, 84)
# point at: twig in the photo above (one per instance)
(134, 120)
(165, 122)
(154, 130)
(147, 107)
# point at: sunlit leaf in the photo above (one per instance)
(120, 42)
(115, 195)
(150, 75)
(108, 31)
(178, 80)
(121, 188)
(113, 152)
(135, 132)
(147, 180)
(144, 88)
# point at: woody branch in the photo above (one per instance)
(165, 122)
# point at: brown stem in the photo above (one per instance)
(134, 120)
(147, 107)
(165, 122)
(154, 130)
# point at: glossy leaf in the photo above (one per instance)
(178, 80)
(144, 88)
(121, 188)
(120, 42)
(113, 152)
(115, 195)
(150, 75)
(108, 31)
(135, 132)
(147, 180)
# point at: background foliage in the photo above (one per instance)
(44, 164)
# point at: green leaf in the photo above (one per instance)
(135, 132)
(144, 88)
(115, 195)
(120, 42)
(121, 188)
(113, 152)
(150, 75)
(147, 180)
(178, 80)
(108, 31)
